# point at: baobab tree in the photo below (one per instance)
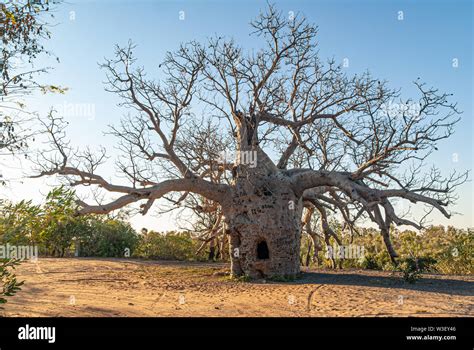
(304, 134)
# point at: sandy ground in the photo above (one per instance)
(113, 287)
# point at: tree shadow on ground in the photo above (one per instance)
(428, 283)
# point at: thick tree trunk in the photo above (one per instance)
(264, 224)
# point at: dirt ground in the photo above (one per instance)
(117, 287)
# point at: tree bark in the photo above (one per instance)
(212, 249)
(264, 224)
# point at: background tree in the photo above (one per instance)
(22, 30)
(304, 132)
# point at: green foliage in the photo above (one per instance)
(169, 246)
(24, 28)
(369, 262)
(448, 251)
(10, 285)
(59, 222)
(56, 229)
(412, 268)
(50, 226)
(107, 238)
(20, 223)
(453, 249)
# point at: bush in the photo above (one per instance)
(51, 227)
(457, 255)
(20, 224)
(10, 285)
(169, 246)
(59, 225)
(412, 268)
(369, 262)
(56, 230)
(107, 238)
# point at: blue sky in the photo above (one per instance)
(368, 33)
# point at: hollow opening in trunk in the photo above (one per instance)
(262, 250)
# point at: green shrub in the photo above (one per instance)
(457, 256)
(107, 238)
(56, 229)
(450, 250)
(412, 268)
(10, 285)
(169, 246)
(20, 224)
(369, 262)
